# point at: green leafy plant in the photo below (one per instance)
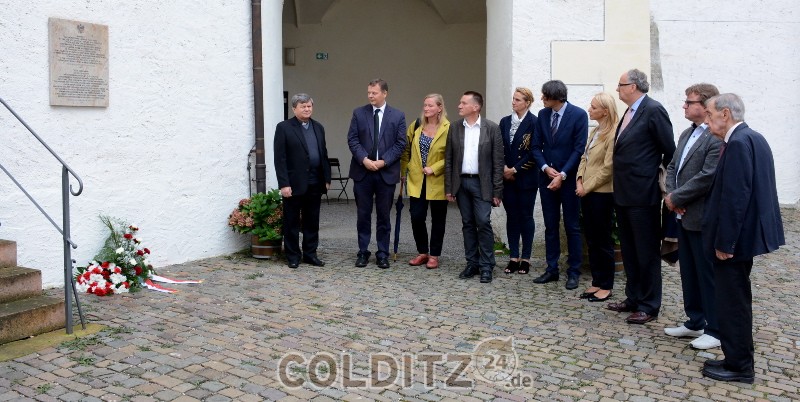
(260, 215)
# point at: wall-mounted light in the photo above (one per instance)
(288, 56)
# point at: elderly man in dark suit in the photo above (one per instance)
(644, 141)
(303, 171)
(474, 177)
(559, 140)
(689, 178)
(742, 220)
(377, 138)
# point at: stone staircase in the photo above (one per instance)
(24, 311)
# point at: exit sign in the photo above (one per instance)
(322, 56)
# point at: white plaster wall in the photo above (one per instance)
(740, 46)
(169, 153)
(404, 42)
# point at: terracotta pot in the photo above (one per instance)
(264, 249)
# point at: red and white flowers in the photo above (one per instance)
(124, 265)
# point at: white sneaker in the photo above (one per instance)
(682, 331)
(705, 342)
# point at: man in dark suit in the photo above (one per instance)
(559, 140)
(474, 177)
(689, 178)
(742, 219)
(644, 141)
(301, 164)
(377, 138)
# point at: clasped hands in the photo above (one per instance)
(508, 173)
(556, 179)
(373, 165)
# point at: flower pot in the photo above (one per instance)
(264, 249)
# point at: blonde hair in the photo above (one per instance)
(439, 100)
(607, 124)
(526, 93)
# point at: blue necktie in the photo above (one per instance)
(554, 127)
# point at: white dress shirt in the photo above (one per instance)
(472, 136)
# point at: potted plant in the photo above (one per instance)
(260, 216)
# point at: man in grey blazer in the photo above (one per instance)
(474, 177)
(689, 179)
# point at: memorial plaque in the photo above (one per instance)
(78, 63)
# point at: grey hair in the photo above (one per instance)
(301, 98)
(731, 102)
(640, 79)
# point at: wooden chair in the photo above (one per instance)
(336, 177)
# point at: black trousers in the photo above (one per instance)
(734, 302)
(598, 209)
(640, 239)
(301, 211)
(697, 281)
(418, 208)
(519, 203)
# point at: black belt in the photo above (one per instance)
(472, 176)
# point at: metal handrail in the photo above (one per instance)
(66, 190)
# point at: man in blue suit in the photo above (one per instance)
(377, 138)
(742, 219)
(559, 140)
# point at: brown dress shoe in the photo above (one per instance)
(640, 317)
(620, 307)
(418, 260)
(433, 262)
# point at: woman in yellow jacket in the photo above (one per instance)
(595, 187)
(422, 166)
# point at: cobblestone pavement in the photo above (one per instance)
(223, 340)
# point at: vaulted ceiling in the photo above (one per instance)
(300, 12)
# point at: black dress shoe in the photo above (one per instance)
(468, 272)
(572, 282)
(593, 298)
(546, 277)
(293, 264)
(362, 260)
(720, 373)
(585, 295)
(383, 262)
(486, 276)
(313, 260)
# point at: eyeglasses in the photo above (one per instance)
(622, 85)
(688, 102)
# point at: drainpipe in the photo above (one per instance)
(258, 99)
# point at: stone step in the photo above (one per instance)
(18, 283)
(8, 253)
(20, 319)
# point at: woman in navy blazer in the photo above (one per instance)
(520, 179)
